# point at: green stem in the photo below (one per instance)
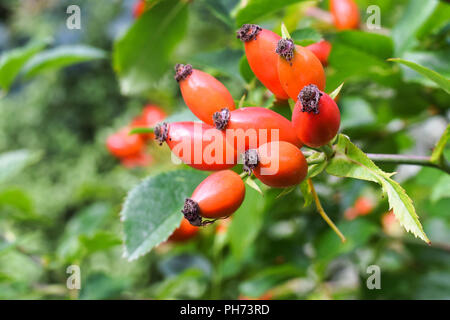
(409, 159)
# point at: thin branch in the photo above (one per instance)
(409, 159)
(323, 213)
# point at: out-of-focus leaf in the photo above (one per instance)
(355, 112)
(247, 222)
(175, 265)
(357, 233)
(141, 56)
(441, 188)
(184, 115)
(225, 61)
(219, 11)
(101, 286)
(405, 30)
(439, 149)
(151, 211)
(189, 284)
(61, 57)
(245, 70)
(440, 80)
(100, 241)
(13, 162)
(85, 223)
(255, 9)
(11, 62)
(18, 199)
(376, 45)
(306, 36)
(268, 278)
(349, 161)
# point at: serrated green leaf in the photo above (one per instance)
(440, 80)
(11, 62)
(306, 192)
(141, 55)
(255, 9)
(61, 57)
(152, 209)
(350, 161)
(439, 149)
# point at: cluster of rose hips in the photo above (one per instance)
(288, 71)
(130, 149)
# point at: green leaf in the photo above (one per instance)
(375, 44)
(141, 130)
(441, 188)
(13, 162)
(255, 9)
(405, 30)
(349, 161)
(286, 191)
(141, 55)
(245, 70)
(152, 209)
(306, 36)
(306, 192)
(100, 241)
(247, 222)
(252, 184)
(61, 57)
(224, 61)
(336, 91)
(356, 112)
(11, 62)
(219, 11)
(440, 80)
(438, 151)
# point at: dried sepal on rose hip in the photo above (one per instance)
(277, 164)
(198, 145)
(298, 67)
(260, 45)
(316, 117)
(254, 125)
(202, 93)
(216, 197)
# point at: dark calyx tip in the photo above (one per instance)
(221, 118)
(248, 32)
(309, 97)
(191, 212)
(251, 160)
(161, 131)
(285, 49)
(182, 71)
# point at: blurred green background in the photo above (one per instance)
(64, 91)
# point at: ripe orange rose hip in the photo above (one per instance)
(202, 93)
(139, 8)
(321, 50)
(277, 164)
(184, 232)
(121, 144)
(316, 117)
(251, 124)
(198, 145)
(298, 67)
(218, 196)
(260, 45)
(345, 14)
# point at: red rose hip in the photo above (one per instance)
(316, 117)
